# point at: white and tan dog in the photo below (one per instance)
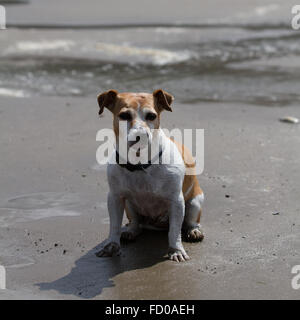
(156, 195)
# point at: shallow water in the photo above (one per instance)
(247, 64)
(37, 206)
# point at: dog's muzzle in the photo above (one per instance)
(138, 135)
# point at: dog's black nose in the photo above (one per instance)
(133, 142)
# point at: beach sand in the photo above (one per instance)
(53, 206)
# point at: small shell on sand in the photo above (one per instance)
(290, 119)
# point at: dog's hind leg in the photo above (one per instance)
(132, 229)
(191, 226)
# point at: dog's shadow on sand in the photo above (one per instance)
(91, 274)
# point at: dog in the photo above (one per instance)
(159, 195)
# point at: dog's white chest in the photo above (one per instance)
(150, 193)
(146, 192)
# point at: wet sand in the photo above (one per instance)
(53, 214)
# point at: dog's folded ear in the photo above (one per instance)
(107, 99)
(162, 100)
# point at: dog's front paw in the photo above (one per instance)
(177, 255)
(111, 249)
(194, 235)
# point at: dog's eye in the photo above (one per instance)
(125, 116)
(150, 116)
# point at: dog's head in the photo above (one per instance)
(135, 114)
